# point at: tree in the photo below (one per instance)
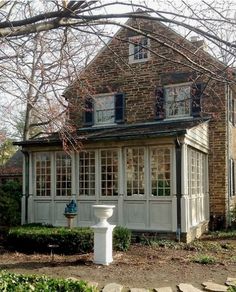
(6, 151)
(43, 66)
(32, 33)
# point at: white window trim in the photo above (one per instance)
(184, 115)
(131, 51)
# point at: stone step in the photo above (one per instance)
(185, 287)
(112, 287)
(211, 286)
(163, 289)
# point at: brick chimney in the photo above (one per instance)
(197, 42)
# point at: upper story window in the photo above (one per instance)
(138, 51)
(177, 99)
(232, 107)
(181, 100)
(104, 109)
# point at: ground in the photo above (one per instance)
(142, 266)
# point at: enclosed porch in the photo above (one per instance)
(157, 184)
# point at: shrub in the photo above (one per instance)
(204, 259)
(17, 282)
(37, 239)
(121, 238)
(10, 202)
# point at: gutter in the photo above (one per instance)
(229, 176)
(26, 182)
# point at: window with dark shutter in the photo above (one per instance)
(88, 113)
(196, 95)
(119, 107)
(160, 103)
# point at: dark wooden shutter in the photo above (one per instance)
(89, 112)
(119, 107)
(234, 112)
(196, 95)
(160, 103)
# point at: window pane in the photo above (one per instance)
(104, 110)
(135, 171)
(160, 172)
(177, 100)
(43, 174)
(140, 52)
(63, 174)
(87, 173)
(109, 170)
(196, 174)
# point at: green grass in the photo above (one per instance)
(204, 259)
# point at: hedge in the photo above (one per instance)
(11, 282)
(31, 239)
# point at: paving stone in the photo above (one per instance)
(163, 289)
(112, 287)
(138, 290)
(231, 282)
(185, 287)
(211, 286)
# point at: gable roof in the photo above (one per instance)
(130, 24)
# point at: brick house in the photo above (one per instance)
(158, 139)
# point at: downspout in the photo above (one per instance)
(229, 223)
(26, 174)
(178, 154)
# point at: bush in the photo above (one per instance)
(10, 203)
(36, 238)
(121, 238)
(204, 260)
(17, 282)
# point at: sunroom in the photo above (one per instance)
(156, 176)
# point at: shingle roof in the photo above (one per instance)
(124, 132)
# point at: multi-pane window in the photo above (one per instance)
(43, 174)
(104, 109)
(177, 100)
(135, 171)
(63, 174)
(160, 172)
(87, 173)
(196, 172)
(138, 49)
(109, 172)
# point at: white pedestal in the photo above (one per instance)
(103, 234)
(103, 244)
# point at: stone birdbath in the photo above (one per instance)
(103, 234)
(70, 213)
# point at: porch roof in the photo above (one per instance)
(124, 132)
